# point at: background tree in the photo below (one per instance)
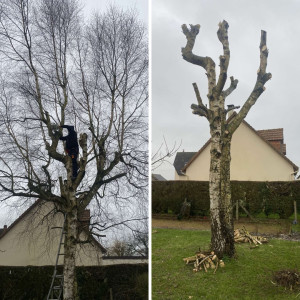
(56, 70)
(222, 129)
(160, 155)
(130, 246)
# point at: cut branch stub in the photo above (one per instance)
(197, 93)
(232, 87)
(224, 59)
(263, 53)
(222, 31)
(198, 110)
(187, 51)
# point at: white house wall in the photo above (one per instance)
(31, 242)
(252, 159)
(199, 169)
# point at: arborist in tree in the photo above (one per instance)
(71, 147)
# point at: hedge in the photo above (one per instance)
(125, 281)
(268, 197)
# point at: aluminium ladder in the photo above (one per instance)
(56, 288)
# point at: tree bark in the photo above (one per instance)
(69, 254)
(226, 216)
(222, 227)
(70, 238)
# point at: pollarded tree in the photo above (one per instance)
(222, 129)
(57, 71)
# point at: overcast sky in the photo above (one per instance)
(172, 77)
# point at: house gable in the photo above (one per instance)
(253, 158)
(181, 159)
(30, 240)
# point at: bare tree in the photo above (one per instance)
(57, 71)
(161, 154)
(222, 129)
(136, 245)
(120, 248)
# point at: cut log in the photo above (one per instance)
(204, 261)
(243, 236)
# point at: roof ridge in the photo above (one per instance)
(27, 211)
(296, 168)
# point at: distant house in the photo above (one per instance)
(158, 177)
(256, 155)
(33, 239)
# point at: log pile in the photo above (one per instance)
(243, 236)
(204, 261)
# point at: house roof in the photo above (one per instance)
(269, 133)
(181, 159)
(158, 177)
(83, 217)
(275, 137)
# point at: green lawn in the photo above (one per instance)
(248, 277)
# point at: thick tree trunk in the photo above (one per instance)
(70, 239)
(226, 202)
(69, 257)
(217, 240)
(222, 238)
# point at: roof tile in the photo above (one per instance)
(271, 134)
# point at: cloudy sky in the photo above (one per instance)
(172, 77)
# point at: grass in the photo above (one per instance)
(248, 277)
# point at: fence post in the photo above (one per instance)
(295, 212)
(237, 210)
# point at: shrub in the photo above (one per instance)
(267, 197)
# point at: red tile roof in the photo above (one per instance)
(271, 134)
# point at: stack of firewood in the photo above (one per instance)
(204, 261)
(243, 236)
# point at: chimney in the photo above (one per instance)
(230, 110)
(5, 227)
(84, 220)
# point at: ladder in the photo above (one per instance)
(56, 288)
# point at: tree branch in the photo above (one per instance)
(199, 109)
(187, 53)
(224, 59)
(232, 87)
(205, 62)
(259, 88)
